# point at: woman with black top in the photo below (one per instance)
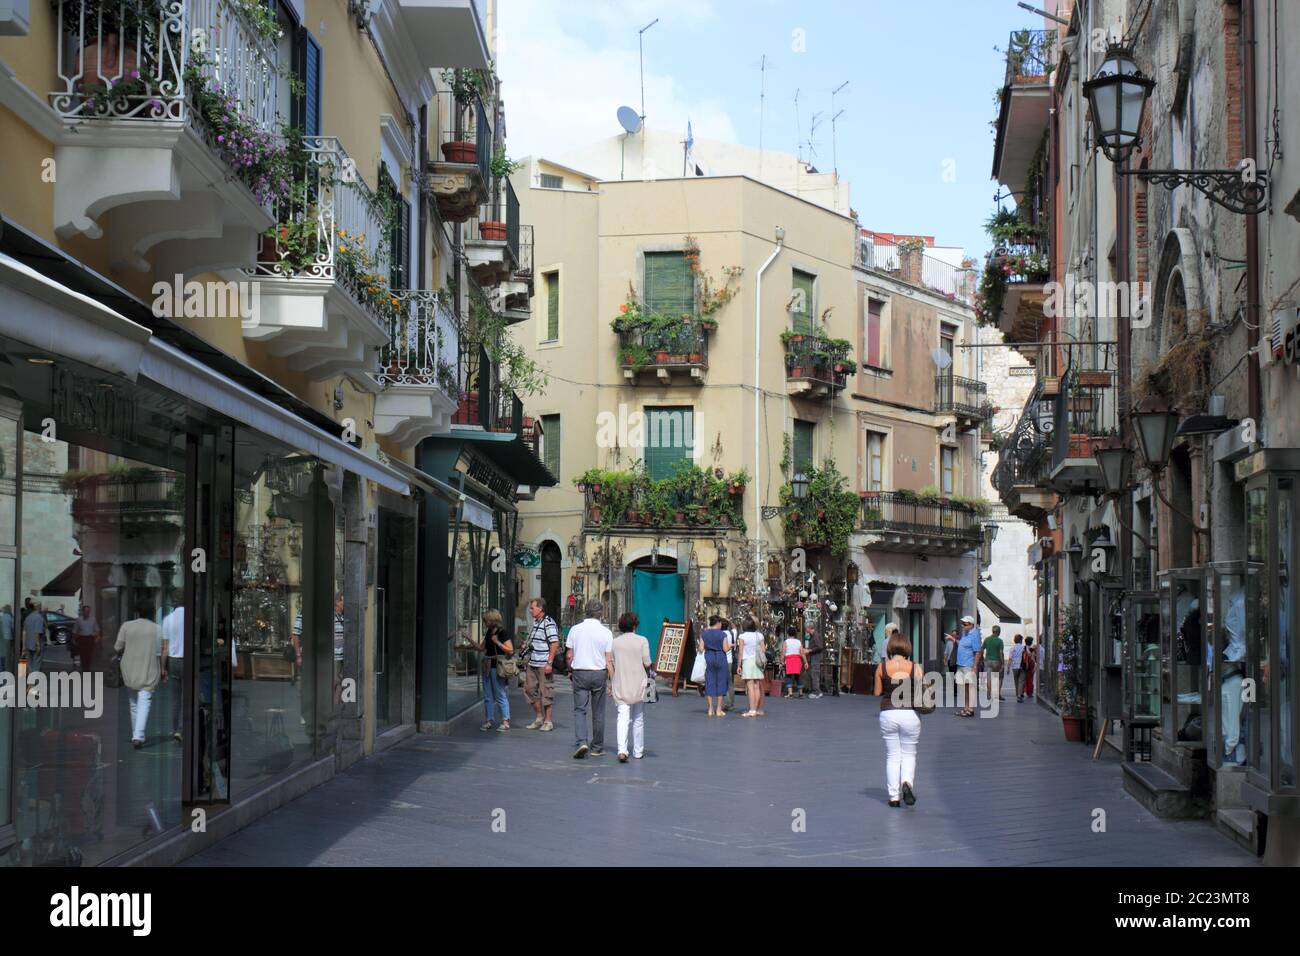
(496, 643)
(899, 723)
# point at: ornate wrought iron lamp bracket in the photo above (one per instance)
(1233, 189)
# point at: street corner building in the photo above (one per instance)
(256, 268)
(1148, 276)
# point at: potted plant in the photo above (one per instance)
(1070, 697)
(465, 85)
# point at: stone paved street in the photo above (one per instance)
(1004, 791)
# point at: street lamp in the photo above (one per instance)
(1156, 425)
(1075, 553)
(1115, 459)
(1117, 98)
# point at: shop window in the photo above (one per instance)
(1259, 715)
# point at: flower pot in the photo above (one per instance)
(695, 358)
(595, 514)
(1073, 728)
(102, 57)
(661, 356)
(270, 249)
(681, 517)
(460, 151)
(467, 411)
(492, 231)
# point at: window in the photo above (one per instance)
(552, 307)
(802, 304)
(802, 456)
(552, 182)
(551, 444)
(947, 470)
(670, 437)
(669, 284)
(873, 335)
(875, 476)
(307, 65)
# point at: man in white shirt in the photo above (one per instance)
(173, 660)
(85, 638)
(590, 653)
(34, 638)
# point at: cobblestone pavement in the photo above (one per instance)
(1002, 791)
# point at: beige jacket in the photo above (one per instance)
(139, 642)
(631, 658)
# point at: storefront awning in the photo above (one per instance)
(56, 320)
(909, 570)
(66, 583)
(173, 369)
(426, 483)
(998, 607)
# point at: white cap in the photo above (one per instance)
(968, 619)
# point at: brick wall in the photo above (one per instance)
(1232, 81)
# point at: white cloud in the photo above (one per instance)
(562, 90)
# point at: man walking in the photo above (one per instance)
(34, 638)
(85, 639)
(590, 654)
(539, 678)
(1017, 665)
(816, 649)
(969, 652)
(173, 664)
(993, 651)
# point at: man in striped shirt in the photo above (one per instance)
(539, 678)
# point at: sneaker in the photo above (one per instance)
(486, 725)
(597, 751)
(622, 758)
(177, 736)
(546, 726)
(894, 803)
(908, 796)
(504, 728)
(638, 756)
(580, 752)
(535, 724)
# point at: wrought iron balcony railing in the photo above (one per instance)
(498, 221)
(1031, 55)
(422, 344)
(953, 282)
(524, 261)
(1086, 404)
(684, 345)
(1025, 457)
(905, 513)
(817, 360)
(464, 132)
(139, 60)
(144, 496)
(964, 397)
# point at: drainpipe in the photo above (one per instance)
(1249, 135)
(758, 394)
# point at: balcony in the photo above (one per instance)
(676, 350)
(901, 521)
(690, 502)
(517, 290)
(873, 252)
(419, 379)
(172, 132)
(816, 366)
(491, 238)
(1085, 413)
(1021, 474)
(459, 176)
(1013, 290)
(137, 501)
(446, 33)
(964, 398)
(324, 301)
(1025, 105)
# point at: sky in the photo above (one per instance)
(913, 141)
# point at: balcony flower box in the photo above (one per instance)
(460, 151)
(492, 231)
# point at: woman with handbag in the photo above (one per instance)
(753, 661)
(497, 648)
(628, 675)
(796, 656)
(899, 723)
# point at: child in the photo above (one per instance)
(795, 657)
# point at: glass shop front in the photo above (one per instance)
(181, 563)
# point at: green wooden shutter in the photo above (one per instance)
(552, 306)
(669, 284)
(551, 443)
(802, 452)
(802, 285)
(669, 439)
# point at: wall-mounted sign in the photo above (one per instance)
(83, 404)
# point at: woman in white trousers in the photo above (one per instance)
(899, 723)
(628, 672)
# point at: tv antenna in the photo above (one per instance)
(640, 43)
(762, 94)
(835, 165)
(812, 132)
(798, 143)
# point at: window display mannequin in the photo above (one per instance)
(1233, 639)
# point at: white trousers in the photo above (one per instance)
(901, 730)
(633, 714)
(139, 700)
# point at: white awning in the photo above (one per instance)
(908, 570)
(55, 320)
(173, 369)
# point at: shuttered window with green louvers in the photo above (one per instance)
(669, 438)
(552, 306)
(801, 301)
(801, 456)
(551, 444)
(669, 284)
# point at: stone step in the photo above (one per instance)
(1238, 824)
(1162, 794)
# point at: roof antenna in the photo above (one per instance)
(641, 51)
(835, 164)
(762, 94)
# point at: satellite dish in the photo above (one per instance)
(941, 359)
(628, 119)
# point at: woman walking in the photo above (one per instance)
(751, 668)
(1030, 664)
(714, 644)
(496, 644)
(899, 723)
(631, 667)
(139, 641)
(796, 656)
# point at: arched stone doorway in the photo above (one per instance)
(552, 590)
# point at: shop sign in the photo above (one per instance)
(81, 403)
(915, 597)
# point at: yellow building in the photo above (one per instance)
(255, 267)
(752, 337)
